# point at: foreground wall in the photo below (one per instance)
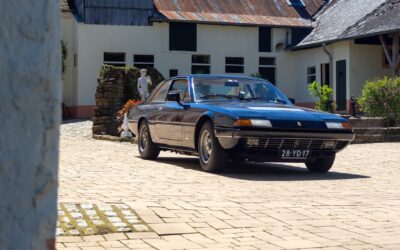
(30, 99)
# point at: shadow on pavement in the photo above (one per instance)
(263, 171)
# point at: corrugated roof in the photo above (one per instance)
(337, 18)
(114, 12)
(250, 12)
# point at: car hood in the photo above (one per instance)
(280, 115)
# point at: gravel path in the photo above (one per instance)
(77, 128)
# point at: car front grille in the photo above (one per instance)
(291, 143)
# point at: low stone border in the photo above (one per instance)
(114, 138)
(375, 135)
(90, 219)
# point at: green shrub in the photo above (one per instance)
(381, 98)
(324, 94)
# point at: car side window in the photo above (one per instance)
(181, 85)
(161, 93)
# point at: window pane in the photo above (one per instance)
(200, 69)
(203, 59)
(183, 36)
(234, 60)
(264, 39)
(114, 57)
(234, 69)
(311, 79)
(173, 72)
(161, 94)
(143, 58)
(268, 74)
(268, 61)
(311, 71)
(143, 66)
(181, 86)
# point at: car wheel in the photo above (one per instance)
(147, 149)
(321, 165)
(212, 156)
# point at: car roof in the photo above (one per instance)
(214, 76)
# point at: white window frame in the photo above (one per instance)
(115, 62)
(144, 63)
(311, 74)
(235, 65)
(202, 64)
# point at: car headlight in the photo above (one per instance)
(338, 125)
(253, 122)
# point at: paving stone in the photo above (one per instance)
(76, 215)
(119, 224)
(172, 228)
(110, 213)
(98, 222)
(60, 232)
(105, 208)
(73, 232)
(114, 219)
(141, 228)
(354, 206)
(87, 206)
(81, 223)
(90, 212)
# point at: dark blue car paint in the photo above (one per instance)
(175, 125)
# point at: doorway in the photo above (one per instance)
(341, 85)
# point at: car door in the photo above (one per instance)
(169, 122)
(153, 108)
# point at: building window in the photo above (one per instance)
(114, 59)
(267, 69)
(143, 61)
(264, 39)
(234, 65)
(325, 74)
(173, 72)
(201, 64)
(183, 36)
(311, 74)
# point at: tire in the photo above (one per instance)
(147, 149)
(212, 156)
(321, 165)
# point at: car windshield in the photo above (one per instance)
(240, 89)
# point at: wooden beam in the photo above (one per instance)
(391, 58)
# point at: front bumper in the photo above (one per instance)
(256, 145)
(233, 133)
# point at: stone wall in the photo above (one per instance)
(115, 87)
(30, 101)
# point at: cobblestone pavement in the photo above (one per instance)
(253, 206)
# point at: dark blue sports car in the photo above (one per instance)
(228, 118)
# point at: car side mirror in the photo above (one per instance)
(292, 100)
(174, 96)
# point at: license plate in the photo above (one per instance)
(294, 153)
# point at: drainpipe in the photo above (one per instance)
(330, 63)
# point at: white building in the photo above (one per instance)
(289, 42)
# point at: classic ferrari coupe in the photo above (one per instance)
(223, 118)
